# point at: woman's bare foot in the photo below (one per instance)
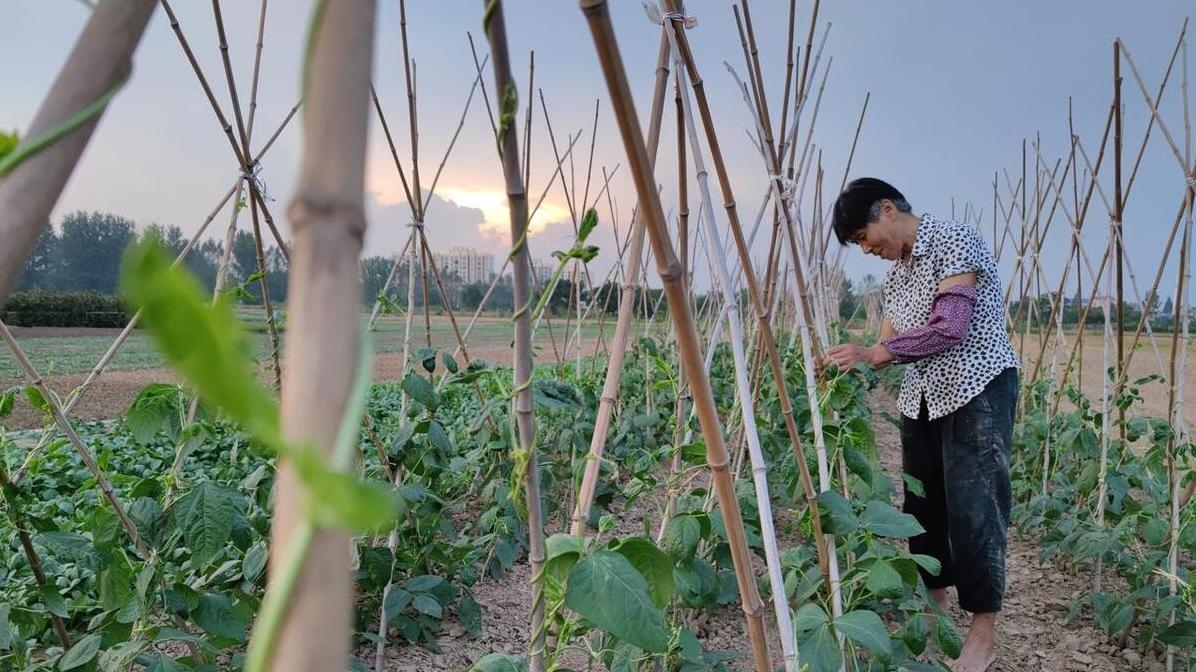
(979, 647)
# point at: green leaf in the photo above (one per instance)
(8, 142)
(81, 653)
(425, 583)
(421, 390)
(65, 546)
(838, 517)
(606, 589)
(588, 223)
(562, 551)
(340, 500)
(395, 603)
(6, 403)
(206, 516)
(948, 637)
(1181, 634)
(202, 340)
(500, 662)
(426, 358)
(1154, 532)
(164, 663)
(913, 485)
(882, 519)
(681, 537)
(254, 561)
(157, 408)
(809, 617)
(821, 650)
(120, 657)
(928, 563)
(884, 580)
(916, 634)
(439, 438)
(865, 629)
(53, 601)
(117, 590)
(5, 626)
(217, 617)
(36, 399)
(427, 605)
(469, 612)
(653, 564)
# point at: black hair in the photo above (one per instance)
(858, 206)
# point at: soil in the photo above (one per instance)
(110, 395)
(1032, 633)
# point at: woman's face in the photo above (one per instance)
(885, 237)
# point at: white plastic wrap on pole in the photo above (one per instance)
(772, 554)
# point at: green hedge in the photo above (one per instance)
(39, 308)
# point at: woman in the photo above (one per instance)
(944, 319)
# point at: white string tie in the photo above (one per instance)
(254, 176)
(655, 16)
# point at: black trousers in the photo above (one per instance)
(962, 460)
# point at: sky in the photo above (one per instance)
(955, 89)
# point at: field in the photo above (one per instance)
(712, 479)
(64, 357)
(479, 558)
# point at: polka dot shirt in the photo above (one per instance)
(953, 377)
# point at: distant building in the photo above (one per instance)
(543, 270)
(469, 265)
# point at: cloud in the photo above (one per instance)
(477, 218)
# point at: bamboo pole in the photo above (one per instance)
(98, 65)
(747, 407)
(614, 367)
(55, 410)
(7, 489)
(328, 219)
(257, 68)
(1119, 249)
(524, 448)
(598, 18)
(825, 543)
(1176, 371)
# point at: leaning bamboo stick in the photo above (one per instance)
(524, 448)
(747, 407)
(614, 367)
(598, 18)
(35, 562)
(96, 68)
(55, 409)
(328, 219)
(1176, 371)
(824, 543)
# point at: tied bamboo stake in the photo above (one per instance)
(614, 368)
(35, 563)
(1177, 364)
(598, 17)
(97, 67)
(524, 451)
(328, 219)
(55, 410)
(751, 435)
(827, 562)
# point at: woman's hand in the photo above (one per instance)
(846, 355)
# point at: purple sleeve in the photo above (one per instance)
(950, 319)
